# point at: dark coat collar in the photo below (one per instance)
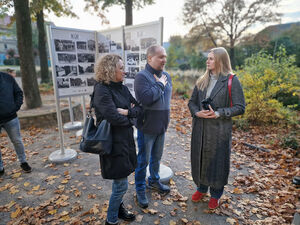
(153, 71)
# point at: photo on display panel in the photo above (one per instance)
(66, 58)
(115, 46)
(63, 83)
(129, 83)
(78, 82)
(89, 68)
(64, 45)
(81, 45)
(91, 81)
(132, 71)
(91, 45)
(63, 71)
(85, 57)
(147, 42)
(132, 59)
(103, 47)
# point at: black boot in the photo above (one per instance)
(124, 214)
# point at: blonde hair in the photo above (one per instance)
(222, 66)
(105, 68)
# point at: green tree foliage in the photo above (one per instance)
(182, 56)
(264, 79)
(99, 7)
(227, 20)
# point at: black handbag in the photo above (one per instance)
(96, 139)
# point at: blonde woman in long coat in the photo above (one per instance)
(210, 106)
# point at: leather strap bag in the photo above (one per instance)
(96, 139)
(229, 87)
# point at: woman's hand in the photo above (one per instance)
(123, 111)
(207, 114)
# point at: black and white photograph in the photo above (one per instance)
(130, 44)
(81, 45)
(115, 46)
(64, 45)
(86, 57)
(147, 42)
(132, 71)
(63, 71)
(103, 47)
(91, 81)
(66, 58)
(63, 82)
(91, 45)
(130, 84)
(143, 57)
(88, 68)
(132, 59)
(78, 82)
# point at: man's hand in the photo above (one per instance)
(123, 111)
(162, 79)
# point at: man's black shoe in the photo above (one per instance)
(1, 172)
(124, 214)
(25, 167)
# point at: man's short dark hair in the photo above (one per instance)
(152, 50)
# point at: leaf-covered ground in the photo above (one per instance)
(259, 190)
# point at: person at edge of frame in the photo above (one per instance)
(11, 99)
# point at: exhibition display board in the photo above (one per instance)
(74, 53)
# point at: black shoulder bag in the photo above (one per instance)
(96, 139)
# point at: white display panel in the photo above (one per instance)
(74, 54)
(73, 57)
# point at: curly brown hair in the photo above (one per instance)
(105, 68)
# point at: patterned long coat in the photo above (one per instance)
(211, 138)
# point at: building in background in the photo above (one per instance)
(7, 39)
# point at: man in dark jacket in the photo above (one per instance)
(153, 88)
(11, 99)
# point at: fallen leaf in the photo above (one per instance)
(16, 213)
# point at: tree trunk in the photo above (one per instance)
(128, 12)
(231, 53)
(42, 47)
(24, 36)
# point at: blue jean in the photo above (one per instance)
(214, 193)
(150, 151)
(119, 188)
(12, 128)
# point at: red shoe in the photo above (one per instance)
(197, 196)
(213, 203)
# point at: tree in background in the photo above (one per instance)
(99, 7)
(59, 8)
(227, 20)
(24, 36)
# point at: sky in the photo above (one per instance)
(171, 10)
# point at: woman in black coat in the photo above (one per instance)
(113, 102)
(211, 133)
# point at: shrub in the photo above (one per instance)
(264, 78)
(290, 141)
(10, 61)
